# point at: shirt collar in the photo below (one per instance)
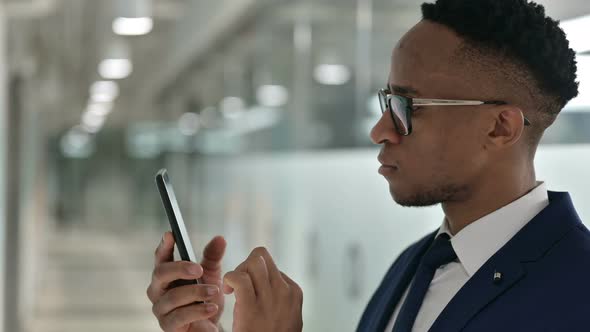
(481, 239)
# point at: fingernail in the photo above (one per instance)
(210, 307)
(194, 270)
(212, 290)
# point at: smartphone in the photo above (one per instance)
(183, 243)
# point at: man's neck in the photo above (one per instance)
(484, 200)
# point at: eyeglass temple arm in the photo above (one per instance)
(445, 102)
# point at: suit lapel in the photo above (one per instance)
(528, 245)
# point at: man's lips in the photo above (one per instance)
(387, 170)
(386, 163)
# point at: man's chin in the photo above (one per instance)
(428, 197)
(414, 199)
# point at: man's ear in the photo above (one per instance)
(506, 128)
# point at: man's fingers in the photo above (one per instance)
(186, 315)
(256, 268)
(165, 250)
(181, 296)
(294, 287)
(287, 279)
(274, 274)
(226, 289)
(165, 273)
(213, 253)
(241, 283)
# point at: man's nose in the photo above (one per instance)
(384, 131)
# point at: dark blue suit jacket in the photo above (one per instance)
(545, 285)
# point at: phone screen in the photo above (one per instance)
(181, 238)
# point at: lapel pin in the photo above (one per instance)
(497, 277)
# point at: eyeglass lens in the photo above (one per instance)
(398, 107)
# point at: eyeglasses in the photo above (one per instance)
(401, 108)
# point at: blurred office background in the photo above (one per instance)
(259, 109)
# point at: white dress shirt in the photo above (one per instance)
(474, 245)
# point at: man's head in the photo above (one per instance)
(485, 50)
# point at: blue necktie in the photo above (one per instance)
(440, 252)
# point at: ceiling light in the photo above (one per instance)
(115, 69)
(99, 109)
(331, 74)
(104, 92)
(272, 95)
(232, 107)
(92, 123)
(133, 26)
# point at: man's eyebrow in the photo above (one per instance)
(403, 90)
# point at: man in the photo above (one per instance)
(471, 90)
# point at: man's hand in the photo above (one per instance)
(174, 307)
(267, 300)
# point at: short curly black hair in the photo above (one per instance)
(518, 30)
